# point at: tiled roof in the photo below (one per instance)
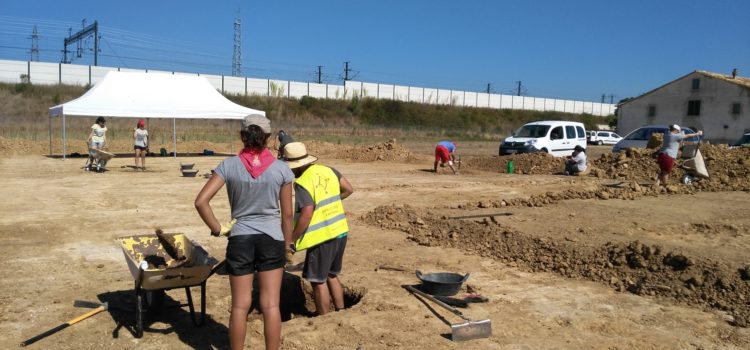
(742, 81)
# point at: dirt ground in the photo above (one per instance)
(595, 262)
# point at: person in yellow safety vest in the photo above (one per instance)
(320, 224)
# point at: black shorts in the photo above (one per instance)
(323, 260)
(247, 254)
(142, 148)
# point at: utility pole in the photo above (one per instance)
(237, 54)
(34, 45)
(77, 37)
(346, 70)
(518, 88)
(488, 88)
(611, 99)
(320, 74)
(603, 96)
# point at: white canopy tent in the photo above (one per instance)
(151, 95)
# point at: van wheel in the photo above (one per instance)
(544, 150)
(600, 142)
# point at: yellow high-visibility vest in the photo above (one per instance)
(328, 219)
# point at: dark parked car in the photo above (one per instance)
(744, 141)
(638, 138)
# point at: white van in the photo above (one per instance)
(555, 137)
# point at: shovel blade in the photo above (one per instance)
(471, 330)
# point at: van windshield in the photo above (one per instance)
(533, 131)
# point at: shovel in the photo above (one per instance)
(466, 330)
(100, 308)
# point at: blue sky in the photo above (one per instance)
(562, 49)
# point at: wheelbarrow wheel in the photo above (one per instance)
(687, 179)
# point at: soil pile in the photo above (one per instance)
(527, 163)
(633, 267)
(322, 148)
(20, 146)
(385, 151)
(729, 169)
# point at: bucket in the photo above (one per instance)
(441, 283)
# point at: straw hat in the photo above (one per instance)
(295, 155)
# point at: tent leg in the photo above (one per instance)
(64, 136)
(50, 136)
(174, 136)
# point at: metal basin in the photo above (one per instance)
(442, 283)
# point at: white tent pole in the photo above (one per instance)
(50, 135)
(174, 136)
(64, 135)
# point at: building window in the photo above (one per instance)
(736, 109)
(652, 110)
(694, 107)
(696, 84)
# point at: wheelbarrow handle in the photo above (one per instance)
(216, 268)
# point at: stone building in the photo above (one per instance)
(715, 103)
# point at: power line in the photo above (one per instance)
(86, 32)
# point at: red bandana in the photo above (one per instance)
(256, 163)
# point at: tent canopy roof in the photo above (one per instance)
(153, 95)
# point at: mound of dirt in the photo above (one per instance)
(385, 151)
(527, 163)
(729, 169)
(322, 148)
(633, 267)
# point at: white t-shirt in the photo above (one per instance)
(580, 161)
(98, 133)
(141, 137)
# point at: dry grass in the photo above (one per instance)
(24, 115)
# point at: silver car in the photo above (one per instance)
(638, 138)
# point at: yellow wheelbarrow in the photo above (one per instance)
(155, 272)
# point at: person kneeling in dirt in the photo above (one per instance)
(444, 154)
(576, 162)
(321, 226)
(668, 151)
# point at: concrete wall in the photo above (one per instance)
(671, 101)
(56, 73)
